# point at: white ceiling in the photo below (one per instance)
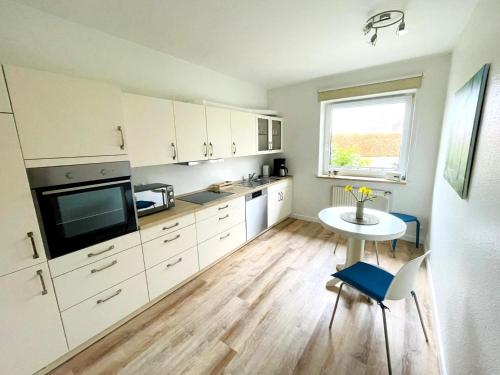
(271, 42)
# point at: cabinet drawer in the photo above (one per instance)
(93, 253)
(164, 247)
(73, 287)
(220, 208)
(172, 272)
(280, 186)
(166, 227)
(221, 222)
(87, 319)
(218, 246)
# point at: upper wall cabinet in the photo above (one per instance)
(243, 129)
(219, 132)
(269, 134)
(150, 130)
(191, 131)
(4, 96)
(20, 240)
(59, 116)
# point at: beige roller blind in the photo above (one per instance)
(372, 88)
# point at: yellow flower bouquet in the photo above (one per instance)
(363, 194)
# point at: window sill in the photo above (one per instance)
(360, 178)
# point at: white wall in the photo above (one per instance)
(465, 234)
(197, 177)
(38, 40)
(301, 110)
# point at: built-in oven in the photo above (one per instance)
(82, 205)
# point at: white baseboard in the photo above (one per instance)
(435, 322)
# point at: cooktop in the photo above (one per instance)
(204, 197)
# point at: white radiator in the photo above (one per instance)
(382, 200)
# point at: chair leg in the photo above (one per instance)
(376, 252)
(420, 315)
(336, 244)
(383, 307)
(393, 248)
(336, 304)
(418, 235)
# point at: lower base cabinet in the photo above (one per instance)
(30, 325)
(221, 244)
(173, 271)
(94, 315)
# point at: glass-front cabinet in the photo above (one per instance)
(270, 134)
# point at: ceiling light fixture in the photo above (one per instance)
(385, 19)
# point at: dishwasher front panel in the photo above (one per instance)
(256, 213)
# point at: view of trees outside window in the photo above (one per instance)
(367, 133)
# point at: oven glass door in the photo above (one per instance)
(81, 216)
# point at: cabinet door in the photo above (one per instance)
(32, 332)
(150, 130)
(4, 96)
(263, 134)
(276, 135)
(59, 116)
(191, 131)
(286, 203)
(20, 241)
(273, 205)
(219, 132)
(243, 130)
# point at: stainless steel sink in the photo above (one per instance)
(258, 182)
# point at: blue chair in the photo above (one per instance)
(381, 285)
(407, 219)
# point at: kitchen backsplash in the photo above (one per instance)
(196, 177)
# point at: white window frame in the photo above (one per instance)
(326, 135)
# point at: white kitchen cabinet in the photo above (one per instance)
(59, 116)
(191, 131)
(269, 134)
(219, 132)
(218, 246)
(243, 129)
(4, 96)
(166, 227)
(94, 315)
(172, 272)
(20, 240)
(150, 130)
(30, 324)
(279, 202)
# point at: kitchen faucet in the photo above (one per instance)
(251, 176)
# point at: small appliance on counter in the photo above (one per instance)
(151, 198)
(280, 168)
(265, 170)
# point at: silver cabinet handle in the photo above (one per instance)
(173, 264)
(104, 267)
(171, 239)
(211, 148)
(225, 236)
(206, 149)
(90, 255)
(108, 298)
(224, 217)
(42, 281)
(234, 148)
(170, 227)
(223, 207)
(33, 245)
(175, 151)
(120, 129)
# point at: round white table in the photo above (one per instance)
(389, 228)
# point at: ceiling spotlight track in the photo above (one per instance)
(385, 19)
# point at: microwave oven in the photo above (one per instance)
(152, 198)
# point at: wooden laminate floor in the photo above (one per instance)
(265, 310)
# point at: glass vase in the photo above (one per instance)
(360, 207)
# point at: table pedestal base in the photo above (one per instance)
(355, 253)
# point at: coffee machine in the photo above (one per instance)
(279, 168)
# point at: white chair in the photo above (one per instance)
(381, 285)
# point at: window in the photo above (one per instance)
(367, 136)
